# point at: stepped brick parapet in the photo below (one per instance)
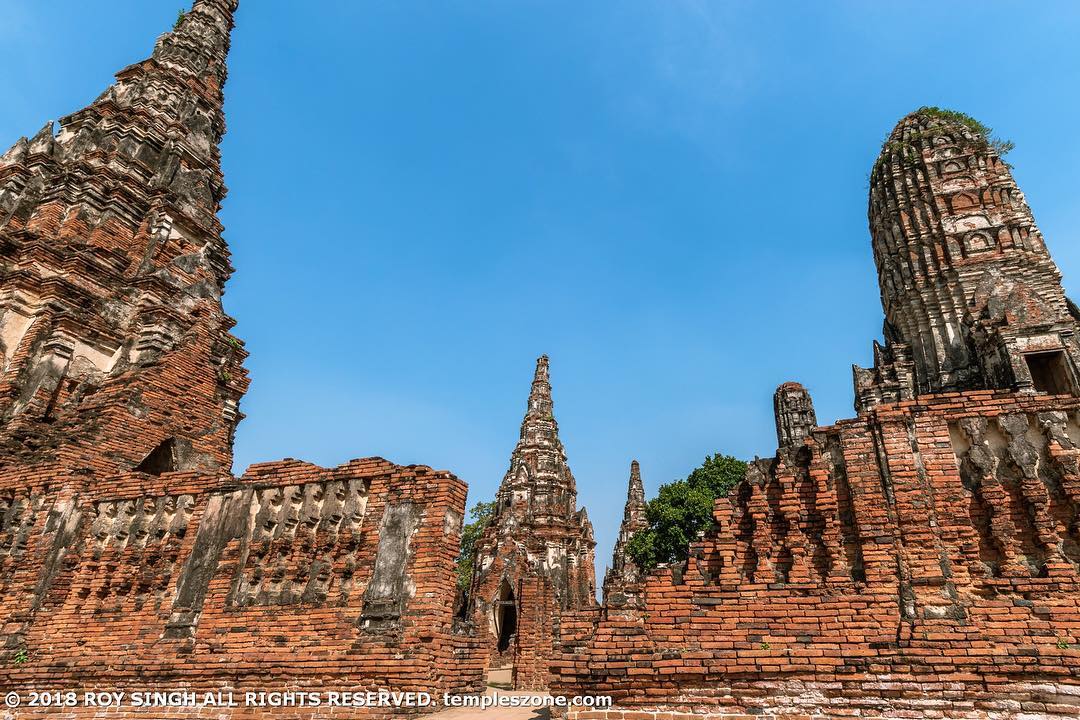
(921, 559)
(535, 560)
(130, 559)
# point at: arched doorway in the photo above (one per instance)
(505, 608)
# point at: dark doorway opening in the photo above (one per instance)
(505, 616)
(1050, 372)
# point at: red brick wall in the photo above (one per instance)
(286, 577)
(897, 558)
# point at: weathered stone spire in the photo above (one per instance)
(538, 427)
(624, 571)
(538, 541)
(113, 269)
(971, 296)
(795, 416)
(635, 493)
(539, 473)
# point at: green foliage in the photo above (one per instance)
(481, 515)
(1062, 644)
(1001, 146)
(681, 510)
(179, 19)
(21, 658)
(910, 154)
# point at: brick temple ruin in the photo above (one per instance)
(918, 560)
(535, 559)
(129, 556)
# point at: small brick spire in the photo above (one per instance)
(635, 492)
(623, 570)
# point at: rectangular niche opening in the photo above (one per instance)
(1050, 373)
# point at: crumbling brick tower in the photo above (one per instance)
(972, 298)
(113, 271)
(535, 559)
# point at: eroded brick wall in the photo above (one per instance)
(920, 556)
(293, 576)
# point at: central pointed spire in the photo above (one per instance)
(538, 426)
(538, 540)
(538, 468)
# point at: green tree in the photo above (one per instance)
(682, 509)
(481, 515)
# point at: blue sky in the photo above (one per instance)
(668, 198)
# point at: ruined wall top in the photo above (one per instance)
(794, 410)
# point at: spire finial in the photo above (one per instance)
(538, 427)
(199, 42)
(540, 405)
(635, 491)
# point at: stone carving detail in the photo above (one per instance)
(390, 588)
(302, 544)
(18, 513)
(132, 550)
(1020, 471)
(794, 410)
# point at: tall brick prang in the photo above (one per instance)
(535, 560)
(972, 298)
(113, 267)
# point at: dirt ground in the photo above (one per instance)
(498, 680)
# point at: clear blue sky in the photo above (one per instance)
(668, 198)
